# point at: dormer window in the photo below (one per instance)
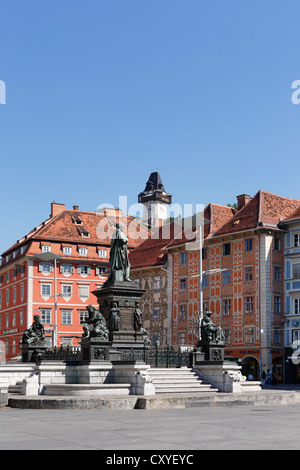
(46, 248)
(77, 219)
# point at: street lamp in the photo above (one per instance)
(47, 257)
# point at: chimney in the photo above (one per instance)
(75, 208)
(56, 209)
(242, 200)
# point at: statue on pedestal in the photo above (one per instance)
(119, 263)
(210, 331)
(138, 317)
(35, 333)
(114, 317)
(95, 324)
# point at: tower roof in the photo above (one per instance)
(155, 190)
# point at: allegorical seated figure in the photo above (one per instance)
(95, 324)
(34, 334)
(210, 331)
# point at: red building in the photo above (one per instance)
(80, 242)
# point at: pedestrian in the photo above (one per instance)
(263, 378)
(274, 380)
(269, 376)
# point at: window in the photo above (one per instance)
(45, 290)
(248, 273)
(6, 320)
(155, 338)
(182, 258)
(14, 294)
(67, 250)
(66, 269)
(84, 270)
(226, 306)
(66, 317)
(14, 319)
(204, 253)
(182, 312)
(227, 336)
(67, 290)
(249, 304)
(249, 244)
(296, 240)
(45, 267)
(277, 304)
(0, 300)
(84, 291)
(46, 248)
(226, 277)
(182, 284)
(249, 335)
(226, 249)
(100, 270)
(181, 338)
(21, 269)
(45, 314)
(14, 346)
(83, 315)
(277, 244)
(296, 306)
(156, 312)
(137, 283)
(296, 336)
(277, 336)
(22, 292)
(66, 342)
(21, 317)
(7, 297)
(277, 273)
(7, 276)
(156, 282)
(83, 252)
(15, 272)
(296, 270)
(205, 280)
(102, 253)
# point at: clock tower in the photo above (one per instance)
(155, 200)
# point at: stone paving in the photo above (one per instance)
(230, 427)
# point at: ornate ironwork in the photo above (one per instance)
(61, 354)
(159, 356)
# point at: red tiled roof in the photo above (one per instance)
(99, 227)
(264, 210)
(153, 252)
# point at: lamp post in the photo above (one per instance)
(48, 257)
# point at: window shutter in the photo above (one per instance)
(40, 267)
(78, 270)
(51, 268)
(72, 269)
(61, 269)
(89, 270)
(97, 271)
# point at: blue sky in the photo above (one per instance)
(99, 93)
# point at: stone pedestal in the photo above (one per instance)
(127, 297)
(95, 350)
(212, 351)
(33, 352)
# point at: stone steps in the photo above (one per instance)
(183, 380)
(15, 389)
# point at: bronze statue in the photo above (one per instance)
(35, 333)
(114, 317)
(210, 331)
(138, 317)
(95, 324)
(119, 263)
